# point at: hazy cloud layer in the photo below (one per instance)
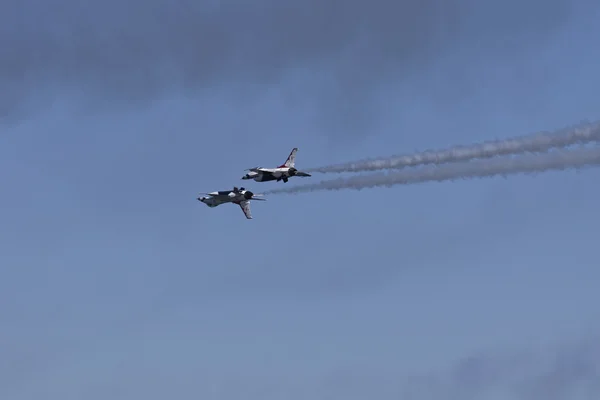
(566, 372)
(570, 371)
(133, 51)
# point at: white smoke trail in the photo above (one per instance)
(530, 163)
(540, 142)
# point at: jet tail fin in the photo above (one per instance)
(291, 160)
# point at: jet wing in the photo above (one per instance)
(217, 195)
(245, 206)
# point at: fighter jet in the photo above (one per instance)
(237, 196)
(281, 173)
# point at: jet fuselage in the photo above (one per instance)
(273, 174)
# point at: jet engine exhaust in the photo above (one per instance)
(558, 159)
(536, 143)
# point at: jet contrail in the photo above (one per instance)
(540, 142)
(530, 163)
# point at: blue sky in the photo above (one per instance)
(116, 282)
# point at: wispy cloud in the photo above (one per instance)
(569, 371)
(102, 49)
(560, 372)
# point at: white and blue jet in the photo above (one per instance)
(281, 173)
(237, 196)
